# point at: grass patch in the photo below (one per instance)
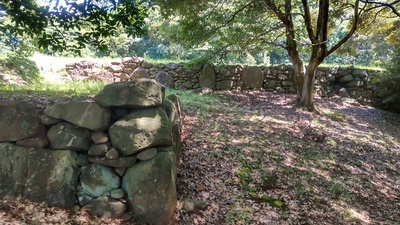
(193, 100)
(53, 90)
(327, 65)
(272, 201)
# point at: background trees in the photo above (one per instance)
(246, 31)
(311, 29)
(58, 25)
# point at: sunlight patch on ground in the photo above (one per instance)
(353, 215)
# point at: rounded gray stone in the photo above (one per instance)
(97, 179)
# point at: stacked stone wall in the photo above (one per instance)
(344, 81)
(115, 156)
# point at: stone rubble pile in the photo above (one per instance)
(114, 156)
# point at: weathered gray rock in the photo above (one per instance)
(105, 207)
(99, 137)
(45, 119)
(355, 83)
(83, 198)
(132, 94)
(343, 93)
(173, 66)
(20, 119)
(224, 85)
(252, 77)
(140, 130)
(126, 60)
(146, 65)
(147, 154)
(207, 77)
(150, 187)
(361, 72)
(68, 136)
(35, 142)
(346, 78)
(287, 83)
(99, 149)
(165, 79)
(271, 84)
(112, 154)
(39, 175)
(190, 205)
(140, 72)
(117, 193)
(84, 114)
(331, 77)
(116, 68)
(97, 179)
(121, 162)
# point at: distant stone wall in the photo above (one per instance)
(116, 155)
(343, 81)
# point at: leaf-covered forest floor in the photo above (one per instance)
(256, 159)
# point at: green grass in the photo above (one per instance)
(190, 99)
(328, 65)
(53, 90)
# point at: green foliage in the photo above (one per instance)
(71, 25)
(272, 201)
(23, 67)
(389, 82)
(245, 32)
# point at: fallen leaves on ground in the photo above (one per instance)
(257, 159)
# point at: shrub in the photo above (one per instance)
(389, 83)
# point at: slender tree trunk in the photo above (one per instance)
(306, 98)
(299, 72)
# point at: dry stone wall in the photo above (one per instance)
(343, 81)
(115, 155)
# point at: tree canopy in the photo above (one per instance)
(60, 25)
(314, 29)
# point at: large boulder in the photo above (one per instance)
(84, 114)
(68, 136)
(207, 77)
(132, 94)
(97, 179)
(19, 120)
(140, 130)
(150, 187)
(165, 79)
(39, 175)
(252, 77)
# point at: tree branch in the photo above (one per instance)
(307, 21)
(232, 17)
(383, 4)
(351, 32)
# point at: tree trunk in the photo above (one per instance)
(307, 88)
(307, 93)
(299, 71)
